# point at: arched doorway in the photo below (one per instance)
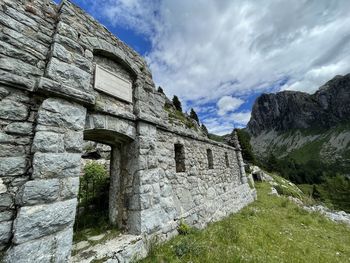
(119, 144)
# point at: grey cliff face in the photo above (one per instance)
(297, 110)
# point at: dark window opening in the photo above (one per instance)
(226, 160)
(179, 158)
(210, 159)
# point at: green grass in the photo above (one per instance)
(180, 116)
(215, 137)
(97, 224)
(309, 151)
(272, 229)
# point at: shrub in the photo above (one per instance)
(183, 228)
(94, 171)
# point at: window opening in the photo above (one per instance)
(179, 158)
(210, 159)
(226, 160)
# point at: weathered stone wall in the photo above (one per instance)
(17, 114)
(48, 106)
(199, 195)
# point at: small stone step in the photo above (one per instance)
(97, 238)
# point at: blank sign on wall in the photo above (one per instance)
(113, 84)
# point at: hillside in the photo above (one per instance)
(272, 224)
(304, 127)
(306, 138)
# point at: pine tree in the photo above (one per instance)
(204, 129)
(160, 90)
(177, 103)
(194, 115)
(244, 141)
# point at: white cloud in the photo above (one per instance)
(218, 126)
(241, 118)
(205, 50)
(317, 76)
(227, 104)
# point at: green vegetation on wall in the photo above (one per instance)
(180, 116)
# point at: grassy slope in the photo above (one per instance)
(311, 150)
(272, 229)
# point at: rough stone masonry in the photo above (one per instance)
(64, 79)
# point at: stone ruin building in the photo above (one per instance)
(64, 78)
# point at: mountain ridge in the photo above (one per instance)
(285, 110)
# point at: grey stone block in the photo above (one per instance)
(40, 191)
(36, 251)
(11, 166)
(6, 201)
(68, 74)
(11, 150)
(52, 165)
(54, 248)
(6, 215)
(53, 87)
(71, 44)
(67, 31)
(64, 245)
(3, 188)
(10, 51)
(16, 80)
(5, 232)
(73, 141)
(25, 41)
(69, 187)
(20, 128)
(63, 114)
(19, 67)
(61, 53)
(48, 142)
(33, 222)
(13, 110)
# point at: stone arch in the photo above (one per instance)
(103, 124)
(103, 47)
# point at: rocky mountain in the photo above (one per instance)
(304, 126)
(287, 110)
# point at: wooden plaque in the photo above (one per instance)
(113, 84)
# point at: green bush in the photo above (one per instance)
(94, 171)
(183, 228)
(93, 198)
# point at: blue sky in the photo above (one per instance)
(218, 56)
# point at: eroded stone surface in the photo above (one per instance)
(40, 191)
(33, 222)
(51, 165)
(60, 113)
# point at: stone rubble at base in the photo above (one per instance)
(48, 107)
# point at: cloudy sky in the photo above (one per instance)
(219, 55)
